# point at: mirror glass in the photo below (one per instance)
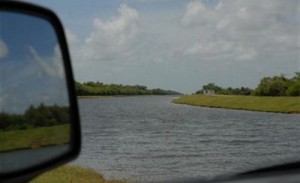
(34, 104)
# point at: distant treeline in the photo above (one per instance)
(100, 89)
(225, 91)
(268, 86)
(33, 117)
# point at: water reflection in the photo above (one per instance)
(22, 159)
(34, 103)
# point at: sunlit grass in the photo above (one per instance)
(93, 97)
(72, 174)
(34, 138)
(253, 103)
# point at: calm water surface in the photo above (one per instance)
(151, 139)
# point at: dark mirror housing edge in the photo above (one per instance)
(75, 136)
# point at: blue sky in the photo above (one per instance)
(31, 68)
(19, 32)
(180, 45)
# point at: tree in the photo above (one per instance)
(273, 86)
(97, 88)
(212, 86)
(294, 90)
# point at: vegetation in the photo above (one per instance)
(34, 138)
(268, 86)
(253, 103)
(273, 94)
(41, 116)
(226, 91)
(279, 86)
(100, 89)
(73, 174)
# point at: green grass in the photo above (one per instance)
(253, 103)
(93, 97)
(72, 174)
(34, 138)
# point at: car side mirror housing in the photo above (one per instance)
(39, 120)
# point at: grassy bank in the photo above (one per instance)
(34, 138)
(253, 103)
(72, 174)
(93, 97)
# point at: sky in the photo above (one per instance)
(180, 45)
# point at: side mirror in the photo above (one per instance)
(39, 121)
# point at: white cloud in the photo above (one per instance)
(38, 76)
(74, 46)
(243, 29)
(247, 55)
(220, 50)
(211, 49)
(198, 13)
(52, 66)
(151, 1)
(112, 38)
(71, 37)
(3, 49)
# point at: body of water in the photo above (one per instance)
(150, 139)
(22, 159)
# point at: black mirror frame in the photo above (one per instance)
(75, 136)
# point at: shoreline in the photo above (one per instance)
(93, 97)
(115, 96)
(74, 174)
(284, 105)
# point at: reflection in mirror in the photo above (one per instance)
(34, 105)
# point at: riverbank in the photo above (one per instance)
(115, 96)
(73, 174)
(251, 103)
(93, 97)
(34, 138)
